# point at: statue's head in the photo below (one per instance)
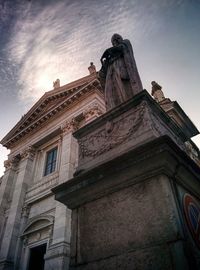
(116, 39)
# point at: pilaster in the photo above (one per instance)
(57, 255)
(12, 229)
(6, 189)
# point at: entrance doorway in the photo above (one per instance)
(36, 260)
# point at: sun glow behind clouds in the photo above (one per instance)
(35, 46)
(61, 39)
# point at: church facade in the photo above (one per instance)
(34, 228)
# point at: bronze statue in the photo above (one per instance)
(119, 76)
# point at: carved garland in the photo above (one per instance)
(112, 135)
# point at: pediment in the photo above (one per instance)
(49, 105)
(37, 225)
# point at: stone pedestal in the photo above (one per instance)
(126, 127)
(129, 198)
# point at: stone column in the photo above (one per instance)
(6, 189)
(12, 229)
(57, 256)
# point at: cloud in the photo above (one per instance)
(59, 40)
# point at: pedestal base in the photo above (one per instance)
(128, 200)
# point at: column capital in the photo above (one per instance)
(93, 112)
(28, 153)
(7, 164)
(11, 163)
(70, 126)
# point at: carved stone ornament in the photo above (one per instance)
(28, 153)
(113, 135)
(70, 126)
(25, 241)
(11, 163)
(7, 164)
(93, 112)
(25, 211)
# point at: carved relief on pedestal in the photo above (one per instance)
(114, 134)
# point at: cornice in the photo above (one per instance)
(35, 119)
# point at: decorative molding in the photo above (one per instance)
(92, 112)
(25, 211)
(7, 164)
(11, 163)
(114, 134)
(70, 126)
(28, 153)
(38, 228)
(43, 185)
(160, 128)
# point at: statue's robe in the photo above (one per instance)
(122, 78)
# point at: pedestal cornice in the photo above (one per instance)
(158, 157)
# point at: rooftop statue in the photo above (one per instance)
(119, 76)
(56, 84)
(157, 92)
(92, 68)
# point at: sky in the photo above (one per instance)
(43, 40)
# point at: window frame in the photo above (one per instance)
(52, 163)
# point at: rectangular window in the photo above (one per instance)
(50, 165)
